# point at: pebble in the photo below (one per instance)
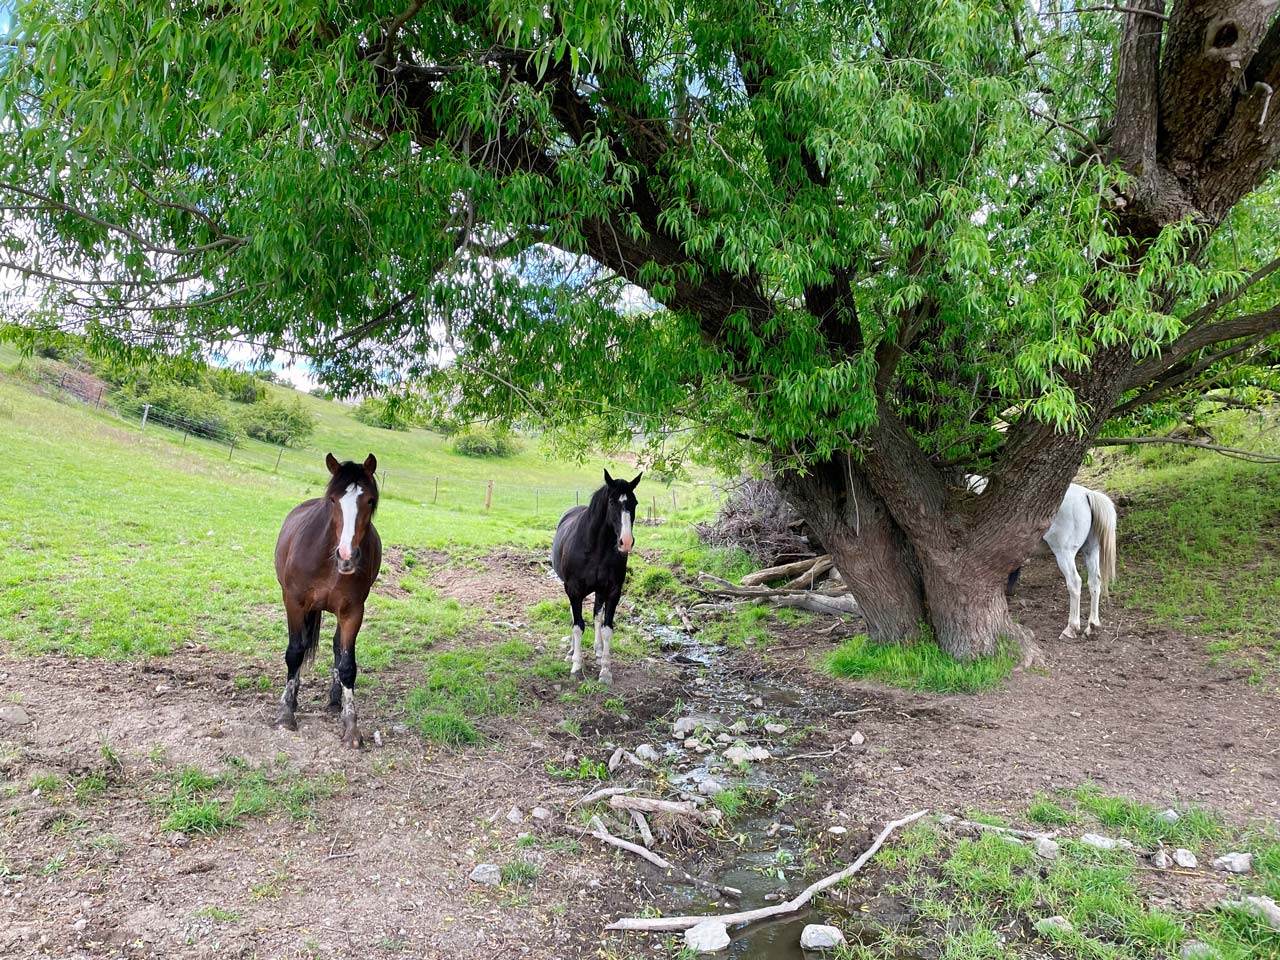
(1235, 863)
(647, 753)
(1168, 816)
(487, 873)
(684, 726)
(540, 813)
(14, 714)
(1099, 842)
(738, 728)
(1195, 950)
(80, 925)
(1161, 860)
(515, 815)
(837, 831)
(756, 702)
(710, 787)
(1056, 924)
(377, 738)
(817, 936)
(776, 729)
(1264, 908)
(691, 743)
(1185, 858)
(709, 936)
(1046, 848)
(857, 739)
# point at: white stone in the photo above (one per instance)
(756, 702)
(14, 714)
(1057, 924)
(1161, 860)
(1264, 908)
(817, 936)
(738, 728)
(776, 729)
(709, 936)
(1046, 848)
(1100, 842)
(738, 754)
(857, 739)
(1168, 816)
(710, 787)
(515, 815)
(685, 726)
(647, 753)
(837, 831)
(487, 873)
(1195, 950)
(1185, 858)
(540, 813)
(1234, 863)
(691, 743)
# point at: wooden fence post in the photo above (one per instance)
(674, 508)
(278, 456)
(232, 450)
(436, 495)
(146, 409)
(488, 496)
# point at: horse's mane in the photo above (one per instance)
(351, 472)
(598, 508)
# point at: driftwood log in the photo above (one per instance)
(763, 913)
(676, 808)
(787, 570)
(601, 833)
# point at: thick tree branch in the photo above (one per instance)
(1137, 100)
(1259, 324)
(1236, 452)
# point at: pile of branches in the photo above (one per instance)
(757, 519)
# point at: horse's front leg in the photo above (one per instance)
(579, 627)
(303, 629)
(597, 616)
(606, 638)
(1094, 568)
(335, 688)
(348, 627)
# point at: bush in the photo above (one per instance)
(184, 407)
(275, 421)
(373, 412)
(485, 442)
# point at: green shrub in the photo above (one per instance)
(376, 412)
(485, 442)
(276, 421)
(653, 580)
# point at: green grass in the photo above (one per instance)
(520, 873)
(585, 770)
(199, 802)
(460, 686)
(972, 896)
(1199, 544)
(918, 666)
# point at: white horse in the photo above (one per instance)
(1086, 518)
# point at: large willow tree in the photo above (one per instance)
(882, 244)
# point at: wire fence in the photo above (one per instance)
(658, 503)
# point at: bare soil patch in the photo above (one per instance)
(381, 869)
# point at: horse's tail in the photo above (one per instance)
(1104, 528)
(310, 636)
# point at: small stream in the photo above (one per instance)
(766, 867)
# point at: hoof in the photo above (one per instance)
(286, 721)
(576, 673)
(353, 739)
(606, 677)
(1067, 634)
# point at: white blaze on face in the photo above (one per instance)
(625, 540)
(348, 506)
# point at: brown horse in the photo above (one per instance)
(327, 557)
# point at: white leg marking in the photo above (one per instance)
(290, 698)
(348, 707)
(606, 648)
(1091, 558)
(348, 506)
(599, 619)
(576, 670)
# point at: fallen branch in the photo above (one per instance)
(790, 906)
(600, 795)
(723, 588)
(788, 570)
(806, 580)
(819, 603)
(689, 625)
(643, 826)
(677, 808)
(951, 821)
(817, 756)
(601, 833)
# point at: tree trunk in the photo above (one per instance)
(969, 612)
(874, 559)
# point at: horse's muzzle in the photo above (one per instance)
(348, 566)
(626, 544)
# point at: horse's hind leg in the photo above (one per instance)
(304, 632)
(348, 627)
(335, 688)
(579, 627)
(1067, 564)
(1095, 583)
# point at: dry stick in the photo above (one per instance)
(816, 756)
(790, 906)
(643, 826)
(601, 833)
(600, 795)
(951, 821)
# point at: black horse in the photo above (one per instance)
(589, 554)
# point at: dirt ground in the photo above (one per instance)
(382, 868)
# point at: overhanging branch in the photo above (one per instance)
(1252, 456)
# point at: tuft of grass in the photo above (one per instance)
(1195, 828)
(519, 873)
(461, 685)
(218, 913)
(1044, 811)
(918, 666)
(651, 581)
(202, 803)
(732, 802)
(585, 770)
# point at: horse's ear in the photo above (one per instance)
(371, 464)
(636, 482)
(331, 462)
(608, 479)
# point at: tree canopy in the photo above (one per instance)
(886, 240)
